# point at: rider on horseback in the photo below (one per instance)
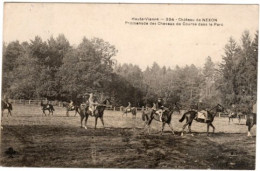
(71, 105)
(128, 108)
(201, 111)
(158, 107)
(92, 103)
(5, 100)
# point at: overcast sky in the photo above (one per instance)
(141, 45)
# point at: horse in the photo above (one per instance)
(71, 108)
(8, 106)
(84, 112)
(132, 110)
(250, 122)
(149, 115)
(48, 107)
(190, 116)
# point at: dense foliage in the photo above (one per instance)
(54, 69)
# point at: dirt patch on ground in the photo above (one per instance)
(52, 146)
(58, 141)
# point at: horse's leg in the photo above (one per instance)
(96, 118)
(189, 127)
(171, 128)
(86, 119)
(207, 129)
(248, 132)
(163, 124)
(212, 127)
(184, 126)
(149, 123)
(75, 112)
(249, 129)
(43, 112)
(102, 120)
(10, 112)
(81, 119)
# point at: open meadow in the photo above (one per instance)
(55, 141)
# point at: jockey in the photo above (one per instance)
(159, 108)
(128, 108)
(154, 106)
(48, 104)
(92, 103)
(5, 99)
(201, 110)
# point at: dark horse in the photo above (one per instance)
(149, 115)
(132, 110)
(250, 122)
(84, 112)
(69, 108)
(190, 116)
(48, 107)
(8, 106)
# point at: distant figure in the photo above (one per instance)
(159, 103)
(128, 108)
(5, 100)
(71, 105)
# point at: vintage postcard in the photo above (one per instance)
(158, 86)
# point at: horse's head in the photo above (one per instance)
(220, 108)
(216, 109)
(106, 102)
(167, 111)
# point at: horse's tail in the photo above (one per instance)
(183, 117)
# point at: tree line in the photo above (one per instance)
(56, 70)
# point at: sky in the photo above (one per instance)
(137, 44)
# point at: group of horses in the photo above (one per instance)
(82, 109)
(148, 115)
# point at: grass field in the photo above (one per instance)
(58, 141)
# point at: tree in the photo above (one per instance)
(87, 68)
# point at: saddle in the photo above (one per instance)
(159, 111)
(202, 114)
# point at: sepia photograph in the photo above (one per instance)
(129, 86)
